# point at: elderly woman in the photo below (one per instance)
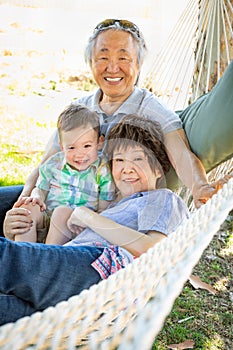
(115, 52)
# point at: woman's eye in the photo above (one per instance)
(118, 160)
(138, 159)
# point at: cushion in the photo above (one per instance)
(208, 123)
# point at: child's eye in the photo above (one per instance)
(87, 146)
(70, 147)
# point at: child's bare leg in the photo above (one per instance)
(58, 230)
(37, 218)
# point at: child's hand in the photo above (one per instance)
(32, 200)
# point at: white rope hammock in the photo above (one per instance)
(127, 310)
(199, 46)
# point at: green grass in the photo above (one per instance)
(23, 139)
(210, 322)
(15, 165)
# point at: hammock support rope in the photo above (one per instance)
(195, 55)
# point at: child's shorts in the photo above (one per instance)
(42, 232)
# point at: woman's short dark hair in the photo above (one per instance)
(135, 130)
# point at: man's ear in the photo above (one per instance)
(100, 143)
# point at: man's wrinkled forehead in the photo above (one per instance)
(114, 40)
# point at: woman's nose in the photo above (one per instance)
(128, 167)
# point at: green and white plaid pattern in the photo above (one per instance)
(73, 188)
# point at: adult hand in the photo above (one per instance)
(203, 193)
(17, 221)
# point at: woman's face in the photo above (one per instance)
(115, 64)
(131, 171)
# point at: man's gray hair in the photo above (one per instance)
(138, 38)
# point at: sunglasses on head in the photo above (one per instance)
(122, 22)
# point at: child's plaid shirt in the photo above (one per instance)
(73, 188)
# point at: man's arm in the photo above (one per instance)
(18, 220)
(188, 167)
(30, 183)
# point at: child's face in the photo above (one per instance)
(80, 147)
(132, 172)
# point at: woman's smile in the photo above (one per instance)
(132, 172)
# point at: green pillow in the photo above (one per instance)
(208, 123)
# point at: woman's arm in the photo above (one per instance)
(133, 241)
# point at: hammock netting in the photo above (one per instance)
(128, 310)
(195, 55)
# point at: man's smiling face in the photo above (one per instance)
(115, 64)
